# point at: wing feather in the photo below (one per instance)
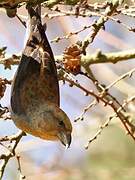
(29, 86)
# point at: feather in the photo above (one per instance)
(36, 77)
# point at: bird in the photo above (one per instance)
(35, 97)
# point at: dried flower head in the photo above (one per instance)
(2, 87)
(72, 57)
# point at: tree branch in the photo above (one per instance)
(11, 152)
(114, 57)
(87, 60)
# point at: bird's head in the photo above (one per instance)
(51, 123)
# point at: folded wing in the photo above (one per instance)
(36, 78)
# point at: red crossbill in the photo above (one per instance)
(35, 90)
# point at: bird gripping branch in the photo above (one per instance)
(35, 90)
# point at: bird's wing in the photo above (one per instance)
(36, 77)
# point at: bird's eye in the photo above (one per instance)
(61, 123)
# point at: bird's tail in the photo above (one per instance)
(28, 86)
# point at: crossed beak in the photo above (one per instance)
(65, 138)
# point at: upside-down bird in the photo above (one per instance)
(35, 98)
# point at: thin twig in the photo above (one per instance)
(6, 156)
(98, 132)
(128, 74)
(81, 116)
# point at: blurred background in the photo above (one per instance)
(112, 155)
